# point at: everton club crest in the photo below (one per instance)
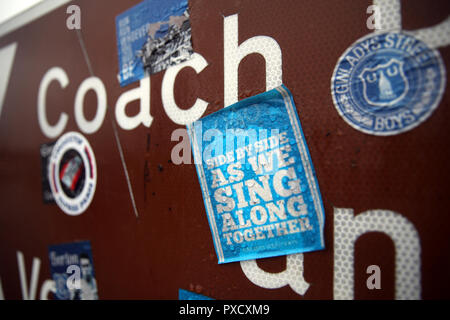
(72, 173)
(388, 83)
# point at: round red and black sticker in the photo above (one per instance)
(72, 173)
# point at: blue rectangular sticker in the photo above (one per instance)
(258, 182)
(152, 36)
(72, 269)
(188, 295)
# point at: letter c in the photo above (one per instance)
(177, 115)
(55, 73)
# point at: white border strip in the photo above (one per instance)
(30, 15)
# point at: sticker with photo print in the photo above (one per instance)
(45, 152)
(72, 270)
(152, 36)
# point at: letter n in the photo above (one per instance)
(348, 228)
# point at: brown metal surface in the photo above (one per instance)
(169, 246)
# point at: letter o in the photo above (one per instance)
(238, 237)
(92, 83)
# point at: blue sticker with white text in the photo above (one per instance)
(259, 186)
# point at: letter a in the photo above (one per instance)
(141, 93)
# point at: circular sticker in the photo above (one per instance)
(387, 83)
(72, 173)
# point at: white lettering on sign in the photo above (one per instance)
(292, 275)
(390, 18)
(51, 131)
(95, 84)
(47, 287)
(7, 55)
(30, 294)
(233, 54)
(348, 228)
(141, 93)
(177, 115)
